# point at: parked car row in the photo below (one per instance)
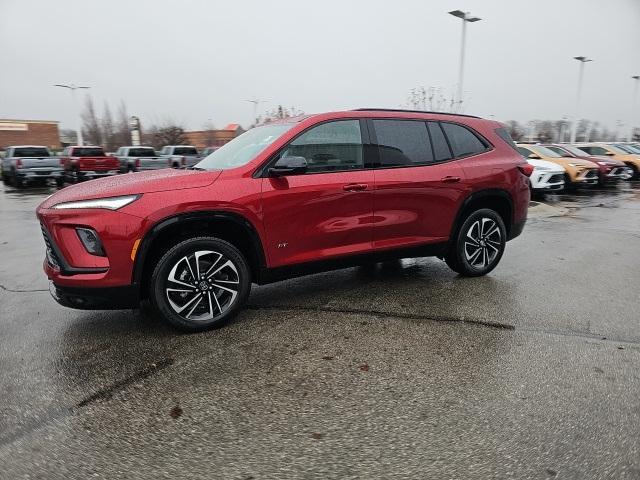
(569, 166)
(26, 164)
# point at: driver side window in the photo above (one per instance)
(331, 146)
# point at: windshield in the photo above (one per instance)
(88, 152)
(628, 148)
(142, 152)
(31, 152)
(575, 150)
(544, 151)
(617, 150)
(241, 150)
(561, 151)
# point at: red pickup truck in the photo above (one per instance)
(85, 163)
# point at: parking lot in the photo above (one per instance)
(392, 370)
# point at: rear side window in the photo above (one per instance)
(504, 135)
(403, 142)
(441, 149)
(463, 141)
(331, 146)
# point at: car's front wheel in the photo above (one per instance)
(200, 283)
(478, 245)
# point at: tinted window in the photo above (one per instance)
(440, 147)
(31, 152)
(462, 140)
(142, 152)
(403, 142)
(88, 152)
(560, 151)
(329, 147)
(185, 151)
(594, 150)
(506, 136)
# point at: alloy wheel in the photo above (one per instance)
(482, 243)
(202, 285)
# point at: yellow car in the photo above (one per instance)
(578, 172)
(632, 160)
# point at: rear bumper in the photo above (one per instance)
(27, 174)
(94, 173)
(108, 298)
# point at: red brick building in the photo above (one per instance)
(29, 132)
(213, 138)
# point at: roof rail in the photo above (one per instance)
(410, 111)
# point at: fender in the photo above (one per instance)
(154, 231)
(489, 192)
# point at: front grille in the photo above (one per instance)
(591, 174)
(558, 177)
(52, 258)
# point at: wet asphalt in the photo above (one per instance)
(398, 370)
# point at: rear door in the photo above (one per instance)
(418, 183)
(327, 211)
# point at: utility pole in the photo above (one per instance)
(73, 89)
(465, 17)
(576, 118)
(634, 107)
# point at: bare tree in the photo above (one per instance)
(168, 132)
(431, 99)
(122, 131)
(546, 131)
(109, 135)
(90, 123)
(279, 113)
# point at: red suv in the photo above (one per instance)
(303, 195)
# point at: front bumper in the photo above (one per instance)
(109, 298)
(588, 177)
(617, 173)
(547, 180)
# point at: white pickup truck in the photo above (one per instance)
(23, 164)
(179, 156)
(137, 159)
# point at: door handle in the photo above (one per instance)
(450, 179)
(355, 187)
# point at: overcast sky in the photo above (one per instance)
(194, 60)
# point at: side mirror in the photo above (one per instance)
(533, 156)
(288, 166)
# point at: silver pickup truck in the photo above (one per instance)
(179, 156)
(137, 159)
(23, 164)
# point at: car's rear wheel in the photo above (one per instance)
(18, 182)
(478, 245)
(200, 283)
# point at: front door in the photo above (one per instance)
(327, 211)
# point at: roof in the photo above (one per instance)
(232, 126)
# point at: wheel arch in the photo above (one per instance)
(496, 199)
(229, 226)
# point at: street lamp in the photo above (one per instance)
(465, 17)
(73, 89)
(574, 127)
(256, 102)
(632, 123)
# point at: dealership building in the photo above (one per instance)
(29, 132)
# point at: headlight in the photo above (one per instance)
(110, 203)
(574, 165)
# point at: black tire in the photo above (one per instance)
(60, 182)
(490, 239)
(17, 181)
(5, 178)
(220, 305)
(636, 172)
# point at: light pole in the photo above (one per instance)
(465, 17)
(256, 102)
(73, 89)
(574, 127)
(634, 105)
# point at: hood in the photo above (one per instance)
(603, 158)
(545, 164)
(133, 183)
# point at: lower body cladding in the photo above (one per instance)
(547, 181)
